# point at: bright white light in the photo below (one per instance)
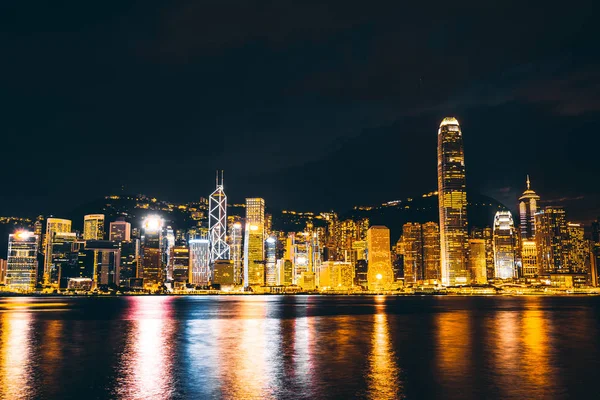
(301, 260)
(152, 223)
(271, 240)
(237, 225)
(378, 276)
(23, 234)
(253, 227)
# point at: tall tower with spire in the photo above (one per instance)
(452, 195)
(528, 206)
(217, 222)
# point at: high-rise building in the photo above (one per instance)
(303, 250)
(120, 231)
(223, 273)
(270, 261)
(477, 261)
(152, 263)
(64, 254)
(235, 251)
(21, 264)
(578, 252)
(487, 235)
(379, 274)
(93, 227)
(528, 207)
(254, 250)
(181, 265)
(452, 196)
(53, 225)
(529, 258)
(551, 237)
(431, 251)
(199, 261)
(3, 266)
(217, 223)
(412, 245)
(504, 245)
(336, 275)
(284, 272)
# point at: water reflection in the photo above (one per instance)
(383, 378)
(537, 327)
(146, 370)
(15, 361)
(453, 350)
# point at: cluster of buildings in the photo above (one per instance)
(544, 248)
(242, 252)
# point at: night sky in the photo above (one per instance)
(312, 106)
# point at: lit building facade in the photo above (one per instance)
(336, 275)
(181, 264)
(254, 250)
(270, 261)
(412, 249)
(552, 239)
(93, 227)
(452, 196)
(528, 207)
(120, 231)
(578, 252)
(21, 264)
(504, 245)
(217, 223)
(53, 225)
(477, 261)
(380, 275)
(235, 251)
(199, 262)
(153, 268)
(529, 258)
(431, 251)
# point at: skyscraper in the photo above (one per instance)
(199, 261)
(528, 206)
(431, 251)
(21, 264)
(93, 227)
(379, 274)
(152, 262)
(120, 231)
(477, 260)
(235, 251)
(412, 245)
(452, 196)
(270, 261)
(504, 245)
(254, 243)
(53, 225)
(551, 237)
(217, 223)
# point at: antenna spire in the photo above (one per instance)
(528, 183)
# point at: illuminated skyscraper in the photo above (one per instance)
(152, 263)
(270, 261)
(120, 231)
(578, 256)
(303, 250)
(504, 245)
(431, 251)
(529, 258)
(412, 245)
(53, 225)
(217, 223)
(528, 206)
(235, 251)
(379, 274)
(551, 237)
(181, 265)
(93, 227)
(254, 243)
(21, 264)
(199, 261)
(452, 196)
(477, 261)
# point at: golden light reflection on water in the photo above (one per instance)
(453, 348)
(383, 377)
(15, 366)
(147, 359)
(536, 339)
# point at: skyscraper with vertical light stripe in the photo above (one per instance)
(452, 203)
